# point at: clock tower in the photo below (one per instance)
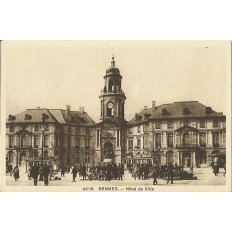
(112, 97)
(110, 132)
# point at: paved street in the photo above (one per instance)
(205, 176)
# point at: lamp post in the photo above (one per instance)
(43, 127)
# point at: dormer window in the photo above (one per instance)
(208, 110)
(11, 117)
(186, 111)
(27, 117)
(164, 112)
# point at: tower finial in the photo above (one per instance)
(112, 62)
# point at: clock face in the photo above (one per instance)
(110, 105)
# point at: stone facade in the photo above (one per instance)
(185, 133)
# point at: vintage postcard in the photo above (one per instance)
(106, 116)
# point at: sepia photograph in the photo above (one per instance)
(117, 115)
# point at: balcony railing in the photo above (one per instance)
(186, 145)
(22, 147)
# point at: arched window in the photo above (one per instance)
(164, 112)
(110, 85)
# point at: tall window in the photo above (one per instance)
(78, 142)
(130, 143)
(138, 143)
(87, 131)
(170, 140)
(170, 124)
(139, 129)
(24, 140)
(69, 130)
(186, 123)
(57, 141)
(46, 141)
(203, 139)
(98, 135)
(158, 140)
(224, 137)
(118, 142)
(47, 128)
(216, 139)
(36, 127)
(36, 142)
(202, 124)
(78, 130)
(11, 142)
(158, 125)
(130, 130)
(215, 123)
(87, 158)
(86, 142)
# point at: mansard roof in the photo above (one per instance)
(55, 116)
(185, 109)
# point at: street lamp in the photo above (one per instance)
(43, 127)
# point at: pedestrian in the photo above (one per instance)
(215, 169)
(155, 173)
(62, 171)
(74, 173)
(84, 172)
(108, 172)
(170, 172)
(35, 174)
(46, 174)
(146, 171)
(224, 169)
(16, 172)
(120, 172)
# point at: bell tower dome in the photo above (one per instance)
(112, 97)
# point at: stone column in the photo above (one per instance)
(210, 139)
(164, 140)
(198, 139)
(178, 158)
(154, 145)
(174, 139)
(193, 156)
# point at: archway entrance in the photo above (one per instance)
(169, 157)
(186, 159)
(108, 152)
(22, 159)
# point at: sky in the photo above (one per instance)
(53, 74)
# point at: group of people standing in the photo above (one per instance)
(39, 172)
(146, 171)
(107, 170)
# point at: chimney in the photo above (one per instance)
(153, 105)
(145, 107)
(68, 109)
(81, 109)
